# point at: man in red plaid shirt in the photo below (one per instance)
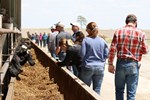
(129, 44)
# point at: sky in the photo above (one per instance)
(108, 14)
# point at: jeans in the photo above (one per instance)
(75, 70)
(127, 72)
(53, 53)
(40, 43)
(92, 74)
(44, 42)
(62, 56)
(37, 42)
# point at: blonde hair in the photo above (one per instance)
(67, 42)
(93, 29)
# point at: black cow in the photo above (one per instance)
(21, 56)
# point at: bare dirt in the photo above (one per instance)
(35, 84)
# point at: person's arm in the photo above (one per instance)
(106, 51)
(57, 45)
(144, 46)
(67, 60)
(112, 52)
(83, 49)
(113, 49)
(57, 50)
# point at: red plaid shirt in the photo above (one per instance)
(128, 42)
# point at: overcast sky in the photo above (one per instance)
(108, 14)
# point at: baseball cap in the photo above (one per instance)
(60, 24)
(75, 24)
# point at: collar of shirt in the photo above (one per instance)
(130, 25)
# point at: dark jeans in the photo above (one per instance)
(40, 43)
(44, 43)
(75, 70)
(127, 72)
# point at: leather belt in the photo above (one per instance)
(127, 59)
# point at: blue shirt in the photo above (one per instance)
(45, 37)
(94, 51)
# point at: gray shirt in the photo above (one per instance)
(52, 40)
(61, 35)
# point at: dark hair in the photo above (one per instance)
(131, 18)
(79, 37)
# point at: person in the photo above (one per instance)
(75, 28)
(48, 42)
(73, 57)
(52, 41)
(29, 35)
(129, 44)
(94, 52)
(72, 54)
(41, 39)
(61, 34)
(79, 38)
(33, 38)
(36, 38)
(44, 38)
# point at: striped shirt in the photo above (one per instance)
(128, 42)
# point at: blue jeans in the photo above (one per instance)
(44, 42)
(127, 72)
(62, 56)
(75, 70)
(92, 74)
(53, 53)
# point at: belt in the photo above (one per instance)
(127, 59)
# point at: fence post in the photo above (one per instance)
(1, 84)
(0, 59)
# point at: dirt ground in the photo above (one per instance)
(35, 84)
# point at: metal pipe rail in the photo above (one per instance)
(9, 39)
(6, 31)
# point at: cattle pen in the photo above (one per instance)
(45, 80)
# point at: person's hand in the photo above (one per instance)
(56, 63)
(111, 69)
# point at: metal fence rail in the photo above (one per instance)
(8, 42)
